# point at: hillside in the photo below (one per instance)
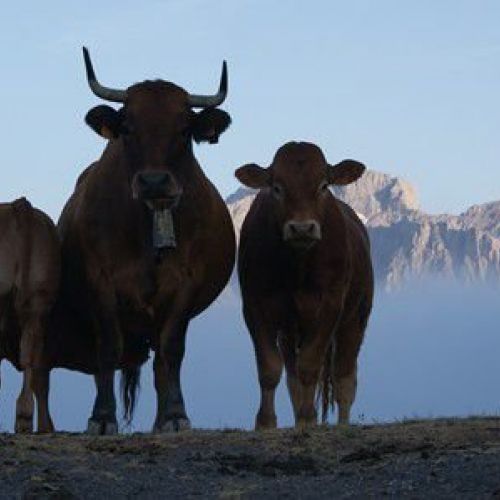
(408, 242)
(426, 459)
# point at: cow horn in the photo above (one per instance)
(106, 93)
(211, 101)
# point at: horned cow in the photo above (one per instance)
(147, 244)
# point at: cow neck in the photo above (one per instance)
(300, 262)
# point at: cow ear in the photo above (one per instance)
(345, 172)
(253, 176)
(105, 121)
(209, 124)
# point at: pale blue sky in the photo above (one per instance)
(410, 88)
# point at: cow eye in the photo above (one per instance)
(323, 188)
(277, 190)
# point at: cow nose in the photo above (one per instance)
(153, 179)
(156, 185)
(302, 230)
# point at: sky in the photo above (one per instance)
(409, 88)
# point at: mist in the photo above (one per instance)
(432, 349)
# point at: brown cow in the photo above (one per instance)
(148, 243)
(306, 280)
(29, 283)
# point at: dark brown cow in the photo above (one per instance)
(29, 283)
(306, 279)
(147, 243)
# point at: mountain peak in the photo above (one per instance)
(376, 192)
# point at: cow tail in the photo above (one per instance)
(130, 384)
(326, 388)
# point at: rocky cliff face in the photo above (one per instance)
(409, 243)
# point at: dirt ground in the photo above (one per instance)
(431, 459)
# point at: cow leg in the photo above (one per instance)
(308, 369)
(287, 347)
(171, 413)
(34, 316)
(269, 368)
(40, 382)
(345, 392)
(110, 347)
(103, 419)
(347, 344)
(309, 365)
(160, 381)
(312, 354)
(269, 363)
(25, 406)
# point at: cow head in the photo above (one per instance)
(157, 125)
(299, 179)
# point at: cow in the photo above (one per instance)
(306, 280)
(29, 283)
(147, 244)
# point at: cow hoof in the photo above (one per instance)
(46, 429)
(305, 423)
(183, 424)
(265, 423)
(110, 429)
(173, 425)
(265, 427)
(24, 425)
(94, 427)
(101, 428)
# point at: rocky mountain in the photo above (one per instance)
(407, 242)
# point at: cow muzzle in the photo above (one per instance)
(157, 188)
(302, 234)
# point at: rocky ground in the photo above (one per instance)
(431, 459)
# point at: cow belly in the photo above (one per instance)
(9, 336)
(201, 270)
(5, 289)
(10, 250)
